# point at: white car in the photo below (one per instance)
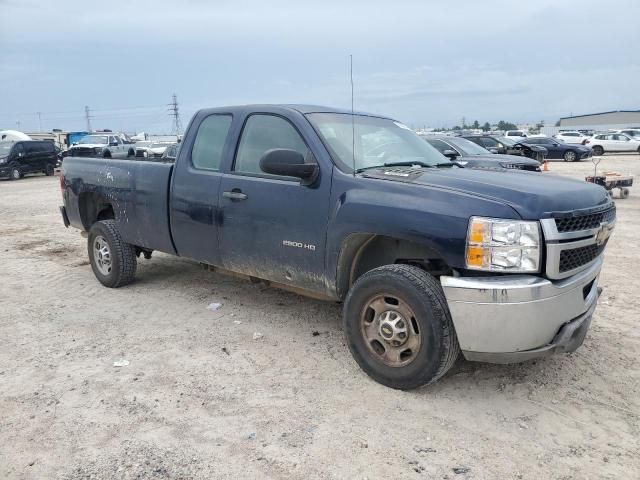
(631, 132)
(515, 134)
(612, 142)
(151, 149)
(571, 137)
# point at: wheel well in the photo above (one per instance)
(93, 208)
(107, 154)
(361, 253)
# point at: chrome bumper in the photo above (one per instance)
(512, 319)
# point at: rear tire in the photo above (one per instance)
(113, 261)
(423, 344)
(131, 153)
(49, 170)
(598, 150)
(624, 192)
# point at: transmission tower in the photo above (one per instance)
(175, 113)
(88, 117)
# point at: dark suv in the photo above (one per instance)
(20, 158)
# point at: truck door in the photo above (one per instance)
(272, 227)
(194, 191)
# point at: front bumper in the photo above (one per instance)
(513, 319)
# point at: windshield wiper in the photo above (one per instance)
(447, 164)
(406, 163)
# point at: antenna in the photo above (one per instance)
(353, 124)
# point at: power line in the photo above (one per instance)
(175, 113)
(88, 117)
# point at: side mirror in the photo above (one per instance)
(289, 163)
(451, 154)
(493, 150)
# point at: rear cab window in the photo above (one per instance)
(209, 143)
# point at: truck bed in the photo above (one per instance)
(138, 191)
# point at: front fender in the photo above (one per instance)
(434, 217)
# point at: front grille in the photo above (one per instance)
(577, 257)
(585, 222)
(82, 152)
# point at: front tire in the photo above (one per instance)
(598, 150)
(113, 261)
(570, 156)
(398, 327)
(16, 173)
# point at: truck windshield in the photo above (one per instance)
(5, 148)
(378, 141)
(97, 139)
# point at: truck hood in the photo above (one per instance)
(90, 145)
(530, 194)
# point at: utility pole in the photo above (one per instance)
(175, 113)
(88, 117)
(18, 125)
(39, 121)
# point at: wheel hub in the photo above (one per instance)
(393, 328)
(102, 255)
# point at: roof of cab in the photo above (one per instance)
(301, 108)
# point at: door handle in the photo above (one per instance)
(235, 194)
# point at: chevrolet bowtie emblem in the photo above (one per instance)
(603, 234)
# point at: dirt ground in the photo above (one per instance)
(201, 398)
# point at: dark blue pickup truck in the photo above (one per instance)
(428, 258)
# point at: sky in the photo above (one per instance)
(426, 63)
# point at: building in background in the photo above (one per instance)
(597, 122)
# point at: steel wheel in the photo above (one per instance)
(390, 330)
(102, 255)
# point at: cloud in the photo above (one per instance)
(421, 62)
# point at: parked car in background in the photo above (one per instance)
(613, 142)
(508, 146)
(20, 158)
(101, 145)
(170, 153)
(557, 149)
(472, 155)
(631, 132)
(141, 148)
(571, 137)
(515, 134)
(151, 149)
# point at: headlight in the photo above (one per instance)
(97, 150)
(499, 245)
(3, 160)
